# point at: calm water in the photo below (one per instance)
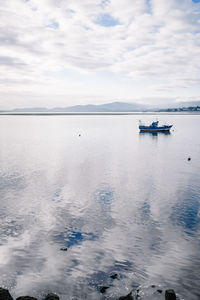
(120, 201)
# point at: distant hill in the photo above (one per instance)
(107, 107)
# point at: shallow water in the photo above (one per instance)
(120, 201)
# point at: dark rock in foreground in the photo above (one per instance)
(103, 289)
(170, 295)
(52, 296)
(5, 295)
(113, 276)
(26, 298)
(127, 297)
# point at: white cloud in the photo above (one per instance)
(153, 41)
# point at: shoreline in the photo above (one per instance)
(134, 294)
(195, 113)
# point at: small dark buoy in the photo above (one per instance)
(79, 134)
(189, 158)
(63, 249)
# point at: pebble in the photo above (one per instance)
(113, 276)
(26, 298)
(5, 295)
(103, 289)
(170, 295)
(52, 296)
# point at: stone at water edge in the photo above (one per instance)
(102, 289)
(26, 298)
(170, 295)
(52, 296)
(114, 276)
(5, 295)
(127, 297)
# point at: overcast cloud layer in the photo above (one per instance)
(60, 53)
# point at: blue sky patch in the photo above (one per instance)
(105, 2)
(53, 24)
(196, 1)
(106, 20)
(73, 238)
(148, 3)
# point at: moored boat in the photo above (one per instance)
(154, 127)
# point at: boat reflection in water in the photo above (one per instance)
(154, 133)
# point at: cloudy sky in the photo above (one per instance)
(67, 52)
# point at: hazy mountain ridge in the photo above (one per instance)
(108, 107)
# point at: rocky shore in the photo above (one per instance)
(133, 295)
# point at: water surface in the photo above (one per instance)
(120, 201)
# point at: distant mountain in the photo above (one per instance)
(107, 107)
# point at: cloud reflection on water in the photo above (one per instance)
(111, 197)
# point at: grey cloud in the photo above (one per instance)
(11, 62)
(8, 39)
(145, 46)
(86, 61)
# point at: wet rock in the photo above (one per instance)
(137, 296)
(153, 286)
(63, 249)
(26, 298)
(113, 276)
(52, 296)
(5, 295)
(159, 291)
(170, 295)
(102, 289)
(127, 297)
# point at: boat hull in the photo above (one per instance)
(155, 129)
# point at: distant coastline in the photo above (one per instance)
(98, 113)
(114, 108)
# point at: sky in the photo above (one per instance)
(67, 52)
